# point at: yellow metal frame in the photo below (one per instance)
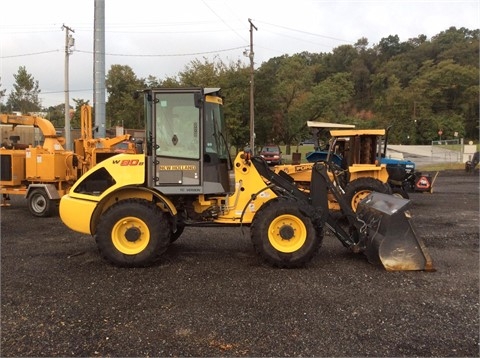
(356, 132)
(251, 192)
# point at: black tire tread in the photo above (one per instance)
(274, 208)
(159, 227)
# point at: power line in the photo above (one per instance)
(167, 55)
(62, 91)
(30, 54)
(221, 19)
(131, 55)
(305, 32)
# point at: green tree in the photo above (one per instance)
(75, 120)
(341, 59)
(2, 93)
(446, 90)
(331, 100)
(56, 115)
(233, 79)
(235, 84)
(24, 97)
(121, 107)
(460, 45)
(204, 73)
(152, 82)
(394, 105)
(285, 85)
(391, 46)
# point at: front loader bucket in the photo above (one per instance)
(391, 239)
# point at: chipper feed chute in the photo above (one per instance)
(391, 239)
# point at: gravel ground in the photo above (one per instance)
(212, 296)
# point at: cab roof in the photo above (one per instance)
(355, 132)
(314, 124)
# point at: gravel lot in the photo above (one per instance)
(212, 296)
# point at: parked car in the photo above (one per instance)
(272, 154)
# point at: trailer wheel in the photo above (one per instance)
(133, 233)
(40, 204)
(286, 233)
(360, 188)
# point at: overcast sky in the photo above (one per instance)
(160, 37)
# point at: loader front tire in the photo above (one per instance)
(133, 233)
(360, 188)
(286, 233)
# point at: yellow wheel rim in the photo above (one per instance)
(287, 233)
(130, 235)
(358, 197)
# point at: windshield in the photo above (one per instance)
(177, 125)
(215, 141)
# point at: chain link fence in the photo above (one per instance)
(450, 150)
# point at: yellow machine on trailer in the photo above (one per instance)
(136, 205)
(353, 162)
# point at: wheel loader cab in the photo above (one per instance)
(186, 140)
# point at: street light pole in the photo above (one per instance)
(69, 43)
(252, 112)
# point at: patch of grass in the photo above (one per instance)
(437, 167)
(302, 149)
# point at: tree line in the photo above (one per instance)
(420, 87)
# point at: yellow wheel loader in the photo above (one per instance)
(136, 205)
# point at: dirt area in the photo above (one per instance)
(212, 296)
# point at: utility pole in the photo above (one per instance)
(252, 112)
(99, 69)
(69, 44)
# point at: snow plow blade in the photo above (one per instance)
(391, 240)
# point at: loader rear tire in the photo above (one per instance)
(133, 233)
(286, 233)
(360, 188)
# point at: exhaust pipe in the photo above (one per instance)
(391, 239)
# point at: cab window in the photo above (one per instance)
(177, 125)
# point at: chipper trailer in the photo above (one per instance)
(44, 173)
(136, 205)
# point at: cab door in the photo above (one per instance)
(177, 127)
